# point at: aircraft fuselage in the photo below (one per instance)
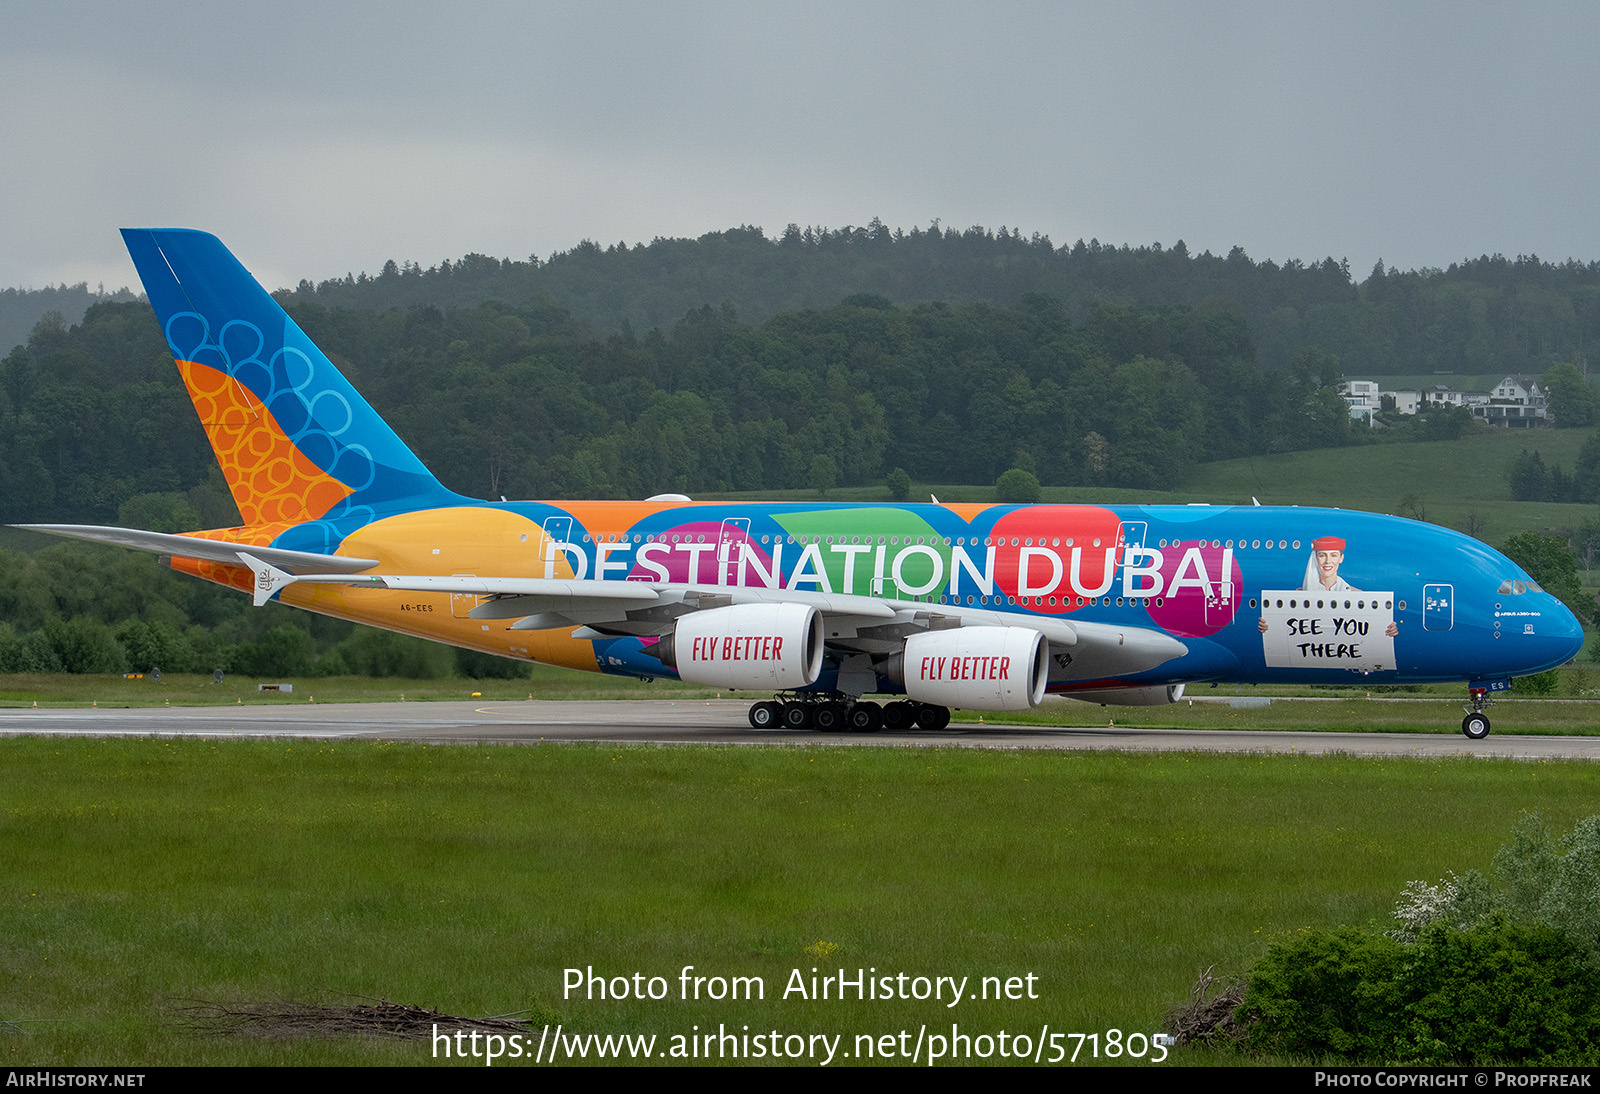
(1238, 586)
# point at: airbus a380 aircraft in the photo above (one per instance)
(987, 607)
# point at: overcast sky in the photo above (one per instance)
(320, 138)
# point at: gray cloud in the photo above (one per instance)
(323, 138)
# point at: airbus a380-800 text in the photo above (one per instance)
(984, 607)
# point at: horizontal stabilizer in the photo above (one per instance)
(211, 550)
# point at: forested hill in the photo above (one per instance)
(1485, 315)
(1489, 314)
(20, 309)
(95, 426)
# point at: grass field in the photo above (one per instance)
(140, 875)
(178, 689)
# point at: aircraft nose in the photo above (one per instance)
(1561, 641)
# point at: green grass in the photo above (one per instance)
(1451, 479)
(1510, 717)
(176, 689)
(136, 875)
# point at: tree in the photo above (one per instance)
(1587, 471)
(1322, 416)
(1017, 487)
(1587, 541)
(1096, 457)
(1529, 479)
(1573, 401)
(824, 474)
(1445, 423)
(899, 484)
(1550, 562)
(169, 512)
(285, 650)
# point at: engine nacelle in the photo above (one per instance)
(1151, 695)
(980, 668)
(767, 646)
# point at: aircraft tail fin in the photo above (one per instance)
(296, 442)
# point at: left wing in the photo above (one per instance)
(851, 626)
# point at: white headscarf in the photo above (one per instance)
(1313, 581)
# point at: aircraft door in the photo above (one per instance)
(558, 541)
(1438, 607)
(463, 603)
(734, 531)
(1219, 602)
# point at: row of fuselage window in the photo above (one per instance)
(1137, 601)
(919, 541)
(987, 541)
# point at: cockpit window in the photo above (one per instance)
(1517, 587)
(1534, 585)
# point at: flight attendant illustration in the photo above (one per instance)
(1322, 574)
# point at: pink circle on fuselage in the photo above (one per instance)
(676, 561)
(1205, 600)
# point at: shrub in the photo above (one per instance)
(1500, 993)
(899, 484)
(486, 666)
(1481, 969)
(1541, 683)
(285, 650)
(82, 644)
(1017, 487)
(1542, 880)
(371, 652)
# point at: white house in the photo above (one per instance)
(1518, 401)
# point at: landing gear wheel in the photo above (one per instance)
(932, 717)
(898, 716)
(765, 716)
(796, 716)
(828, 718)
(1475, 726)
(865, 718)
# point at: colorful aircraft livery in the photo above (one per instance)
(987, 607)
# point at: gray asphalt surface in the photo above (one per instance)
(723, 723)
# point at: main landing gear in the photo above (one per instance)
(838, 713)
(1476, 724)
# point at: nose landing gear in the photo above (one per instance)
(1476, 724)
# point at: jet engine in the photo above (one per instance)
(773, 647)
(980, 668)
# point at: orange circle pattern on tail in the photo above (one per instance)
(272, 480)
